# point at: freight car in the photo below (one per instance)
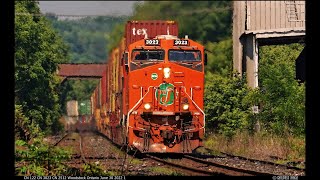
(85, 121)
(79, 116)
(150, 96)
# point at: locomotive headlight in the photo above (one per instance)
(147, 106)
(166, 72)
(185, 107)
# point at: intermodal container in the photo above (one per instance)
(72, 108)
(84, 107)
(137, 30)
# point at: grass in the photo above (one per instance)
(135, 161)
(117, 151)
(259, 146)
(164, 171)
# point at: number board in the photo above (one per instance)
(152, 42)
(179, 42)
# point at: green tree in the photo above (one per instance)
(220, 57)
(280, 96)
(86, 36)
(38, 50)
(115, 36)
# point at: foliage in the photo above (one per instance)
(40, 159)
(115, 36)
(220, 57)
(38, 50)
(163, 171)
(280, 96)
(225, 112)
(22, 127)
(95, 170)
(87, 36)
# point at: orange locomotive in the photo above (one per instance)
(151, 94)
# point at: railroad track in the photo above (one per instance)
(81, 155)
(229, 170)
(262, 161)
(75, 156)
(81, 150)
(224, 155)
(190, 170)
(206, 168)
(198, 164)
(201, 166)
(248, 163)
(61, 139)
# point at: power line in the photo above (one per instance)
(97, 15)
(68, 15)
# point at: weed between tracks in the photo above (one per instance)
(164, 171)
(135, 162)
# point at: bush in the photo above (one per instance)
(24, 129)
(225, 112)
(37, 158)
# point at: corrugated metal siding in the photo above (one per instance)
(103, 88)
(267, 15)
(109, 87)
(113, 81)
(92, 103)
(99, 93)
(96, 91)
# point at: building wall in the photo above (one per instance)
(256, 22)
(268, 15)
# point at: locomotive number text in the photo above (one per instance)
(181, 43)
(152, 42)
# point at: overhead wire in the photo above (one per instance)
(208, 10)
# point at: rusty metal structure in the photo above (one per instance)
(81, 70)
(258, 23)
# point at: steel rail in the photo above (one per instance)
(246, 171)
(176, 165)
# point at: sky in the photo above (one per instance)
(117, 8)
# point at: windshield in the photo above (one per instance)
(184, 55)
(147, 55)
